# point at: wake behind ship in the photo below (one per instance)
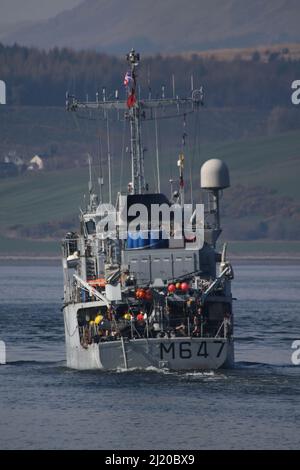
(148, 292)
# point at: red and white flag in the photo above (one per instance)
(127, 79)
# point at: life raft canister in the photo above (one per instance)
(97, 282)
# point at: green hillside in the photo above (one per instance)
(32, 199)
(55, 196)
(273, 162)
(270, 162)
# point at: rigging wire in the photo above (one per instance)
(198, 130)
(156, 165)
(76, 123)
(171, 174)
(122, 156)
(146, 118)
(149, 161)
(191, 164)
(196, 146)
(153, 168)
(112, 158)
(157, 152)
(100, 177)
(84, 135)
(108, 160)
(191, 181)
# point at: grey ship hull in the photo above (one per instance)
(172, 353)
(186, 353)
(165, 283)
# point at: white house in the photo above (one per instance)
(36, 163)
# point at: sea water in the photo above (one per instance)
(45, 405)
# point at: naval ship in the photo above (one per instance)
(148, 293)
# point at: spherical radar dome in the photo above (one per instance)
(214, 174)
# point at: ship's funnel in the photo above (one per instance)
(214, 175)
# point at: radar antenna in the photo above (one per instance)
(136, 110)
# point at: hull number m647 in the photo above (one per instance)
(184, 350)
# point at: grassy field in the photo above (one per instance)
(272, 162)
(33, 199)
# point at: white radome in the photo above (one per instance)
(214, 174)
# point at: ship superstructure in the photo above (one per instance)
(145, 291)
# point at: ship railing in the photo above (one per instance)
(91, 290)
(69, 246)
(180, 326)
(222, 326)
(82, 295)
(225, 327)
(77, 293)
(145, 329)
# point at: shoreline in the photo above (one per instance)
(238, 259)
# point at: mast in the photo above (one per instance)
(180, 165)
(137, 168)
(100, 177)
(136, 109)
(93, 199)
(108, 161)
(157, 152)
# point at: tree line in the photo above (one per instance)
(41, 78)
